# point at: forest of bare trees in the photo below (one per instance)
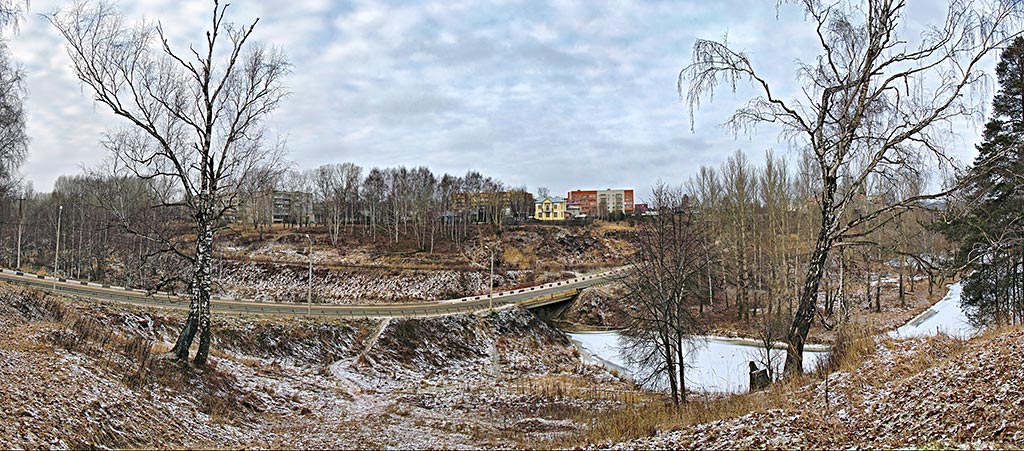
(762, 220)
(872, 106)
(392, 204)
(101, 210)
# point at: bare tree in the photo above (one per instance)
(705, 189)
(771, 329)
(739, 185)
(257, 202)
(329, 188)
(871, 101)
(195, 118)
(13, 138)
(665, 287)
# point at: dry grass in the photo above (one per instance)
(654, 413)
(613, 226)
(135, 359)
(563, 387)
(854, 342)
(525, 258)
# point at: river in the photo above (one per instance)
(946, 316)
(716, 364)
(721, 364)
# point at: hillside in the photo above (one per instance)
(273, 265)
(936, 392)
(82, 374)
(533, 246)
(77, 373)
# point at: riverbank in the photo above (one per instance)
(935, 392)
(884, 391)
(602, 308)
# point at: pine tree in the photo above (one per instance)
(992, 227)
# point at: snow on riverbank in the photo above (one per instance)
(718, 365)
(946, 316)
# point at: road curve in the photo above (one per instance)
(530, 297)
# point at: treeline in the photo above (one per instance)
(79, 229)
(109, 230)
(734, 243)
(763, 220)
(392, 203)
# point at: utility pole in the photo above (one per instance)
(56, 252)
(21, 204)
(309, 283)
(490, 287)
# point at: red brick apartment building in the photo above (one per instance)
(590, 201)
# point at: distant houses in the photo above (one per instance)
(293, 207)
(493, 207)
(554, 209)
(276, 207)
(586, 205)
(603, 204)
(503, 207)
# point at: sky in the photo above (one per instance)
(562, 94)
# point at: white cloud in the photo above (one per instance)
(567, 94)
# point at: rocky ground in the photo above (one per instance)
(534, 247)
(80, 374)
(274, 268)
(597, 308)
(283, 283)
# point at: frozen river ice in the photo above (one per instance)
(716, 364)
(721, 364)
(946, 316)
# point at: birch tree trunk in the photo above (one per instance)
(809, 294)
(193, 122)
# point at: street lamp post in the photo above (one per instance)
(309, 283)
(21, 221)
(56, 252)
(490, 286)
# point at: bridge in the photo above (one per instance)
(530, 297)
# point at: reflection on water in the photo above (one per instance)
(716, 364)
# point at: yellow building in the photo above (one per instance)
(550, 209)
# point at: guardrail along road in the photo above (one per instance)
(530, 297)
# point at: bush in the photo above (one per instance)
(853, 343)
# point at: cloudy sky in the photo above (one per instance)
(566, 94)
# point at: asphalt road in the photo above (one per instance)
(531, 297)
